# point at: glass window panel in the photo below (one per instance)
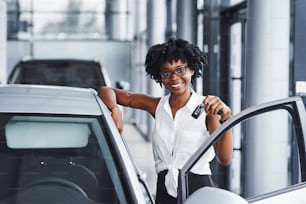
(268, 161)
(61, 19)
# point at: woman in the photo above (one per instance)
(181, 124)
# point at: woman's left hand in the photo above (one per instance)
(224, 145)
(214, 104)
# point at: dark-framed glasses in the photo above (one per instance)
(167, 74)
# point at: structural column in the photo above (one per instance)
(156, 21)
(267, 78)
(186, 18)
(117, 19)
(156, 30)
(3, 42)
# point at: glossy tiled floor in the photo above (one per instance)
(141, 151)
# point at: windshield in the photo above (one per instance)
(60, 149)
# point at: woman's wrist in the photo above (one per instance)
(112, 109)
(225, 117)
(222, 120)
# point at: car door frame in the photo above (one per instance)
(135, 180)
(294, 105)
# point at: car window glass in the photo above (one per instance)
(45, 132)
(265, 158)
(110, 163)
(92, 167)
(76, 74)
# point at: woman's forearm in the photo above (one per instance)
(108, 96)
(224, 148)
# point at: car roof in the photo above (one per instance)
(57, 60)
(15, 98)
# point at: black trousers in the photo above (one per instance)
(195, 182)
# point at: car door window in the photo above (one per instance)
(265, 159)
(265, 162)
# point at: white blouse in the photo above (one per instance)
(174, 140)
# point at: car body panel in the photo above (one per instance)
(297, 192)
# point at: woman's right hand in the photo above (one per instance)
(117, 117)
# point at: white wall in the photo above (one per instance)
(16, 50)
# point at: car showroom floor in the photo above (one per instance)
(141, 151)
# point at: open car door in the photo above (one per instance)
(294, 189)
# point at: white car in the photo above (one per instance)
(60, 145)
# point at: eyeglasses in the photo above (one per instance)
(167, 74)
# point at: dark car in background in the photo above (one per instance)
(61, 72)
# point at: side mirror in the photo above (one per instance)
(123, 85)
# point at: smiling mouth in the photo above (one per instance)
(176, 85)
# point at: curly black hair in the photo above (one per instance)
(174, 50)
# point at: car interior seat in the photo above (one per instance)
(82, 172)
(41, 169)
(9, 168)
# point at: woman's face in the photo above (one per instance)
(176, 77)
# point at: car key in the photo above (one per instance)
(199, 109)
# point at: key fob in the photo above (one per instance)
(198, 111)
